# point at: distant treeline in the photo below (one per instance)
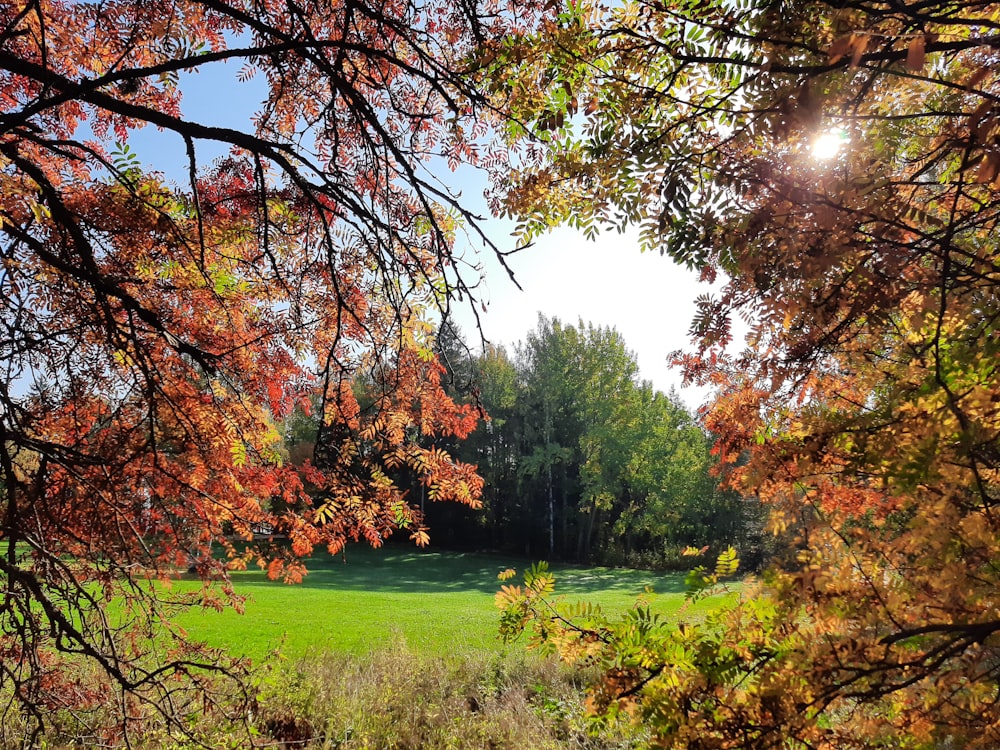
(582, 460)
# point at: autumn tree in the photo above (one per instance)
(835, 166)
(155, 331)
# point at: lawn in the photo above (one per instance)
(435, 602)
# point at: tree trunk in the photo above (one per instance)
(563, 520)
(552, 514)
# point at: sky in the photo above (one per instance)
(607, 282)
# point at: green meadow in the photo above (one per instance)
(433, 602)
(394, 648)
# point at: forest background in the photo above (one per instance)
(582, 459)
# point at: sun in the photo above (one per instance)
(828, 144)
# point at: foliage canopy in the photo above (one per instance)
(152, 333)
(865, 405)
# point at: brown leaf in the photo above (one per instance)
(806, 107)
(983, 129)
(840, 47)
(859, 48)
(915, 55)
(826, 216)
(989, 167)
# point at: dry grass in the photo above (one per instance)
(396, 700)
(390, 699)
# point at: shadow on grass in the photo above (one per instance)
(401, 569)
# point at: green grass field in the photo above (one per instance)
(434, 602)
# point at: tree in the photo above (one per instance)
(610, 467)
(153, 334)
(548, 363)
(864, 407)
(673, 501)
(580, 459)
(609, 410)
(494, 446)
(490, 384)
